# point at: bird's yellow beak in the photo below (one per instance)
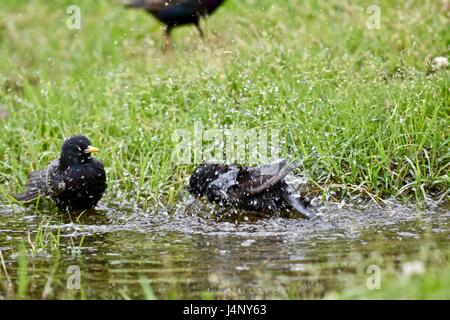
(91, 149)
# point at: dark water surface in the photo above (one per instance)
(180, 253)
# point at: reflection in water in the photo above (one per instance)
(184, 254)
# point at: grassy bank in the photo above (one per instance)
(359, 106)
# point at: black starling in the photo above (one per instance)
(75, 181)
(177, 12)
(259, 189)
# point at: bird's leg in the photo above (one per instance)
(200, 31)
(167, 41)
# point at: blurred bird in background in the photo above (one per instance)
(175, 13)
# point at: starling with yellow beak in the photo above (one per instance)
(75, 181)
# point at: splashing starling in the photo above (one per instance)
(258, 189)
(175, 13)
(75, 181)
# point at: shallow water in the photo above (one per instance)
(184, 254)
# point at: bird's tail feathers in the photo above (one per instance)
(28, 195)
(35, 186)
(298, 205)
(36, 178)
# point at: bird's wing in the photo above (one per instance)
(54, 180)
(35, 187)
(47, 182)
(218, 190)
(253, 180)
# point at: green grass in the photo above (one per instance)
(433, 285)
(45, 240)
(357, 105)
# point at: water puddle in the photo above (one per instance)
(184, 254)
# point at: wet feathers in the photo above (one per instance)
(75, 181)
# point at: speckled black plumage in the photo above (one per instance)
(177, 12)
(259, 189)
(75, 181)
